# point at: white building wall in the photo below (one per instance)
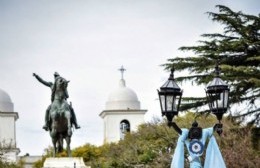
(11, 155)
(29, 161)
(8, 136)
(7, 130)
(112, 123)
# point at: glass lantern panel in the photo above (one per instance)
(222, 100)
(171, 103)
(162, 99)
(219, 100)
(213, 98)
(225, 97)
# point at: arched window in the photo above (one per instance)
(124, 128)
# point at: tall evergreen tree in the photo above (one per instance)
(237, 50)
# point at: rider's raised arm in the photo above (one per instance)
(49, 84)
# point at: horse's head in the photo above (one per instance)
(61, 83)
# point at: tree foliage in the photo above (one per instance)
(237, 50)
(152, 146)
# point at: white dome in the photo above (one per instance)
(6, 104)
(122, 98)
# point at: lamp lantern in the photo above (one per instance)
(170, 98)
(217, 92)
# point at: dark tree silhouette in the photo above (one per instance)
(237, 50)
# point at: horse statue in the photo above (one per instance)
(60, 115)
(60, 118)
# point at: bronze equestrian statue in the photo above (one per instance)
(60, 115)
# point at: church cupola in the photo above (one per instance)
(122, 112)
(6, 104)
(123, 97)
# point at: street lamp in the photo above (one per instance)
(195, 138)
(217, 92)
(170, 99)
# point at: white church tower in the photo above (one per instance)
(8, 117)
(122, 113)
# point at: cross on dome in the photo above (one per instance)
(122, 69)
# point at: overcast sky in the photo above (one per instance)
(87, 41)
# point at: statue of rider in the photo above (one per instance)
(53, 89)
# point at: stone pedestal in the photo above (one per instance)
(65, 162)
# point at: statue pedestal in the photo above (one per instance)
(64, 162)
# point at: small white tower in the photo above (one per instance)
(7, 128)
(122, 113)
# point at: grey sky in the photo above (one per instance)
(86, 42)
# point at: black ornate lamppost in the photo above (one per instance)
(195, 138)
(217, 92)
(170, 96)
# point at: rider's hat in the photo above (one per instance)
(56, 74)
